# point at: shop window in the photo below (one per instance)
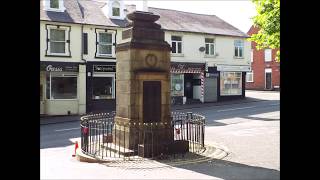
(102, 88)
(231, 83)
(238, 48)
(62, 87)
(177, 87)
(209, 46)
(176, 42)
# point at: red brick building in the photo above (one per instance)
(265, 74)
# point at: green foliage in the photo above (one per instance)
(268, 21)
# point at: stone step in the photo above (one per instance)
(116, 149)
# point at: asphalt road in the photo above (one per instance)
(249, 131)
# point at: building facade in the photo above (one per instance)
(209, 57)
(265, 74)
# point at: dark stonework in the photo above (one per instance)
(144, 33)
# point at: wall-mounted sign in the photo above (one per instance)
(233, 68)
(59, 67)
(212, 75)
(104, 68)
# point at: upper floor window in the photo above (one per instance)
(238, 48)
(54, 4)
(176, 42)
(115, 9)
(105, 46)
(209, 46)
(267, 55)
(58, 41)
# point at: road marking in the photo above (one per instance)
(232, 109)
(67, 129)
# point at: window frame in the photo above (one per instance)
(116, 4)
(265, 51)
(97, 54)
(66, 29)
(214, 46)
(64, 74)
(47, 6)
(231, 84)
(237, 48)
(251, 76)
(176, 42)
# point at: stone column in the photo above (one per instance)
(143, 56)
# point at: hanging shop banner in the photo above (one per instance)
(187, 67)
(104, 68)
(59, 67)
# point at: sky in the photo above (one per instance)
(236, 12)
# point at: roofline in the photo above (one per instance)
(206, 33)
(81, 23)
(184, 11)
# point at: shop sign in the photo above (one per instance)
(55, 67)
(233, 68)
(104, 68)
(212, 75)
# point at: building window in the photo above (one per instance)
(104, 44)
(249, 76)
(103, 88)
(176, 44)
(238, 48)
(209, 46)
(54, 4)
(62, 86)
(267, 55)
(230, 83)
(177, 84)
(58, 40)
(116, 9)
(251, 55)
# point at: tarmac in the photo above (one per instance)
(44, 120)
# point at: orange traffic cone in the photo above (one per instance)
(75, 149)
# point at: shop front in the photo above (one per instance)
(62, 88)
(231, 81)
(101, 86)
(187, 82)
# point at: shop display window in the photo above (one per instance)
(230, 83)
(102, 88)
(177, 87)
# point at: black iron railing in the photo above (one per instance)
(102, 138)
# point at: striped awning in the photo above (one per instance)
(189, 70)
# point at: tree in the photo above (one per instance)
(268, 21)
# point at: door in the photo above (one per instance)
(188, 87)
(268, 80)
(41, 100)
(151, 101)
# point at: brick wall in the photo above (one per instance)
(259, 65)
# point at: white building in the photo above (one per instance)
(78, 39)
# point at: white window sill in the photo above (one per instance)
(210, 56)
(55, 10)
(235, 57)
(177, 54)
(249, 81)
(58, 54)
(62, 99)
(105, 55)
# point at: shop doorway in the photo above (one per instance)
(188, 85)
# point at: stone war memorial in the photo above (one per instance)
(143, 124)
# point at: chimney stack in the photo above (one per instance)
(145, 6)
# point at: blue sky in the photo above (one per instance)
(236, 12)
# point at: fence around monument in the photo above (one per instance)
(101, 136)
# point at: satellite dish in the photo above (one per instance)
(202, 49)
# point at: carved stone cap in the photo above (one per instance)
(143, 16)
